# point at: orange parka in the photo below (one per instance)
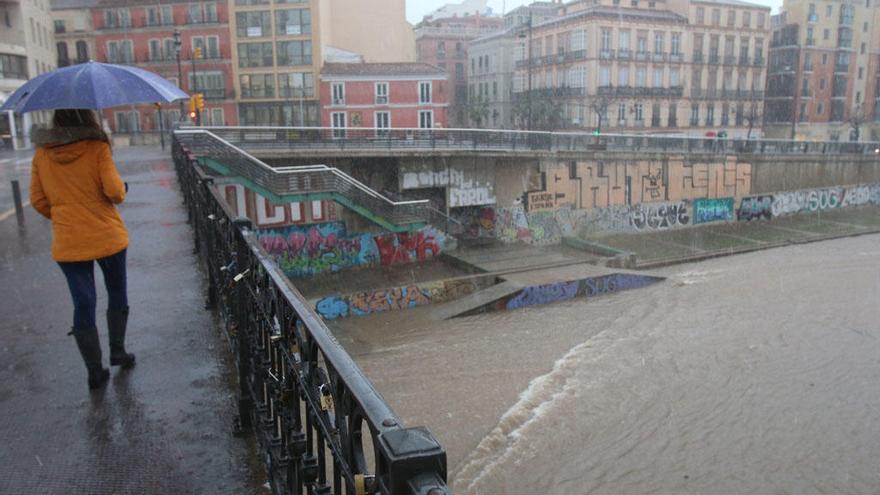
(75, 185)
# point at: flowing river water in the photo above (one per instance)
(751, 374)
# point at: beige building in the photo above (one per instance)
(27, 49)
(824, 75)
(672, 67)
(279, 48)
(74, 31)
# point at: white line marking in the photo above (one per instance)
(9, 213)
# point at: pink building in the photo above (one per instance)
(398, 95)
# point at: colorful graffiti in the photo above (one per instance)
(755, 208)
(477, 222)
(588, 287)
(812, 200)
(652, 216)
(467, 184)
(322, 248)
(713, 210)
(379, 301)
(544, 294)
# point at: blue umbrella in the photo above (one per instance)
(92, 85)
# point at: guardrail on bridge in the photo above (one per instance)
(480, 140)
(314, 412)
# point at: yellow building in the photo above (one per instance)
(676, 67)
(279, 48)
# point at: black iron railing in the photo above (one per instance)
(321, 425)
(427, 140)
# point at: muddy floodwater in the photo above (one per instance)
(752, 374)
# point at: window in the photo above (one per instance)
(194, 14)
(641, 77)
(829, 10)
(624, 40)
(211, 83)
(604, 75)
(642, 42)
(295, 52)
(700, 15)
(725, 114)
(674, 77)
(441, 49)
(155, 50)
(212, 49)
(579, 40)
(822, 83)
(119, 52)
(426, 119)
(747, 19)
(253, 24)
(759, 50)
(338, 92)
(716, 17)
(59, 26)
(639, 112)
(127, 122)
(676, 43)
(337, 121)
(623, 76)
(61, 48)
(826, 34)
(167, 15)
(424, 93)
(731, 18)
(255, 55)
(217, 117)
(621, 114)
(382, 93)
(655, 115)
(257, 85)
(761, 20)
(861, 72)
(672, 121)
(824, 58)
(658, 77)
(606, 40)
(695, 114)
(862, 49)
(296, 84)
(819, 109)
(293, 22)
(382, 121)
(82, 52)
(659, 38)
(710, 114)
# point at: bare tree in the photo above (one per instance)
(753, 116)
(600, 104)
(478, 110)
(856, 120)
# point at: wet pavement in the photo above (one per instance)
(164, 427)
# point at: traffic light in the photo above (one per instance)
(192, 104)
(200, 101)
(197, 53)
(192, 116)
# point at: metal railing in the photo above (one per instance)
(285, 181)
(478, 140)
(314, 412)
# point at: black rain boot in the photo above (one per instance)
(90, 349)
(117, 319)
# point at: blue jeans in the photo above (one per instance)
(81, 281)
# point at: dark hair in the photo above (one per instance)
(79, 117)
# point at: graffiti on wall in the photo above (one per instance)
(595, 184)
(303, 251)
(466, 184)
(662, 216)
(380, 301)
(476, 221)
(755, 208)
(713, 210)
(588, 287)
(812, 200)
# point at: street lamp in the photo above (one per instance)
(179, 70)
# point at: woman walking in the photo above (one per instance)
(75, 184)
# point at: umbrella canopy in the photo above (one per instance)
(92, 85)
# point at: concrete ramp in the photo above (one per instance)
(477, 300)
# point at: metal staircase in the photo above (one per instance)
(306, 183)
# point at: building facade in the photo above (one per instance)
(130, 32)
(444, 42)
(27, 49)
(74, 31)
(823, 81)
(490, 75)
(384, 96)
(673, 67)
(279, 48)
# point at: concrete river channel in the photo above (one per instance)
(751, 374)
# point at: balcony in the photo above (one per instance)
(641, 56)
(759, 61)
(217, 93)
(714, 59)
(659, 57)
(624, 54)
(811, 41)
(202, 20)
(575, 55)
(676, 57)
(730, 60)
(841, 68)
(606, 54)
(698, 58)
(744, 60)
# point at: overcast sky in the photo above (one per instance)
(417, 9)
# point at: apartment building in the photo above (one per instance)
(823, 81)
(74, 32)
(444, 42)
(148, 35)
(491, 67)
(673, 67)
(27, 49)
(384, 96)
(280, 46)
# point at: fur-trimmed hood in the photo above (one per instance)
(65, 145)
(59, 136)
